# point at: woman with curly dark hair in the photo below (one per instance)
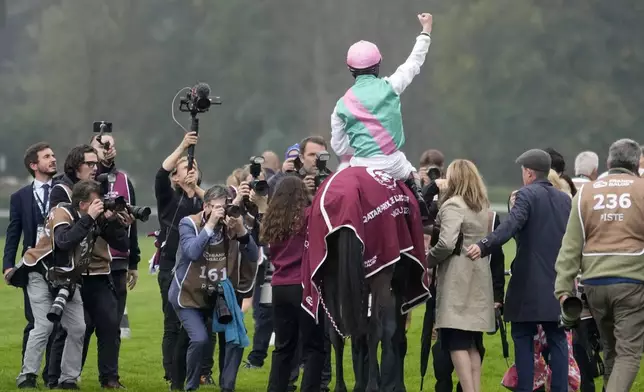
(284, 230)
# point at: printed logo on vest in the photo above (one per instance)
(383, 178)
(309, 300)
(600, 184)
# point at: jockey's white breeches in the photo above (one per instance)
(396, 164)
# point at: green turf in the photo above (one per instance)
(140, 359)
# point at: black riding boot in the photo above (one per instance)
(415, 187)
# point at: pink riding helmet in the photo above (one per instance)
(362, 55)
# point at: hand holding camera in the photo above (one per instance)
(190, 139)
(243, 192)
(125, 218)
(260, 201)
(235, 226)
(216, 215)
(288, 165)
(96, 209)
(309, 181)
(191, 179)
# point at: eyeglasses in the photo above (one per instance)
(91, 164)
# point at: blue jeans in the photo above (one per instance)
(523, 335)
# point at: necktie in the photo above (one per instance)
(45, 190)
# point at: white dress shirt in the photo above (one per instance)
(40, 193)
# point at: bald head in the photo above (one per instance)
(271, 161)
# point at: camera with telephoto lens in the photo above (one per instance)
(65, 292)
(259, 186)
(321, 159)
(217, 299)
(571, 309)
(118, 203)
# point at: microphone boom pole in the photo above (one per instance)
(194, 127)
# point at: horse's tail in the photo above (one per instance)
(352, 284)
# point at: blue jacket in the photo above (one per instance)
(538, 222)
(24, 218)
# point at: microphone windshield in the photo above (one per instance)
(202, 90)
(101, 177)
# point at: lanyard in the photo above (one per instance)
(41, 205)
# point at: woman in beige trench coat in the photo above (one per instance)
(464, 296)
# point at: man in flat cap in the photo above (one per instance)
(537, 221)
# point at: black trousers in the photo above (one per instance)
(263, 317)
(25, 336)
(292, 323)
(171, 324)
(443, 367)
(101, 316)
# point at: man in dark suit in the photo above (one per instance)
(538, 221)
(29, 207)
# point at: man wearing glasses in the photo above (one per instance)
(80, 164)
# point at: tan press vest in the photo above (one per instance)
(214, 265)
(78, 260)
(101, 257)
(611, 211)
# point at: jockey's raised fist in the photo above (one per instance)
(425, 20)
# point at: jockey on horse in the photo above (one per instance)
(366, 124)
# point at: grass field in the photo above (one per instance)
(140, 359)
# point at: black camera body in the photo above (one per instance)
(197, 100)
(232, 210)
(321, 160)
(102, 127)
(259, 186)
(118, 203)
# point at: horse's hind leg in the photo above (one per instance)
(373, 338)
(338, 346)
(390, 366)
(360, 356)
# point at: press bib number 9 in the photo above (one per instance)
(213, 274)
(611, 201)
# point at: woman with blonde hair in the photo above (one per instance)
(464, 292)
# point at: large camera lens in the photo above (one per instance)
(260, 187)
(140, 213)
(223, 312)
(232, 210)
(202, 103)
(434, 173)
(57, 308)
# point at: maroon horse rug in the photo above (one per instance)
(385, 217)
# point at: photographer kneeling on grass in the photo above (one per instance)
(218, 259)
(54, 268)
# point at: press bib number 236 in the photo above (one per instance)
(213, 274)
(611, 201)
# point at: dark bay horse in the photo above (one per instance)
(366, 268)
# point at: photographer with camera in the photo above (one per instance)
(124, 264)
(218, 261)
(178, 195)
(68, 246)
(304, 164)
(603, 241)
(80, 164)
